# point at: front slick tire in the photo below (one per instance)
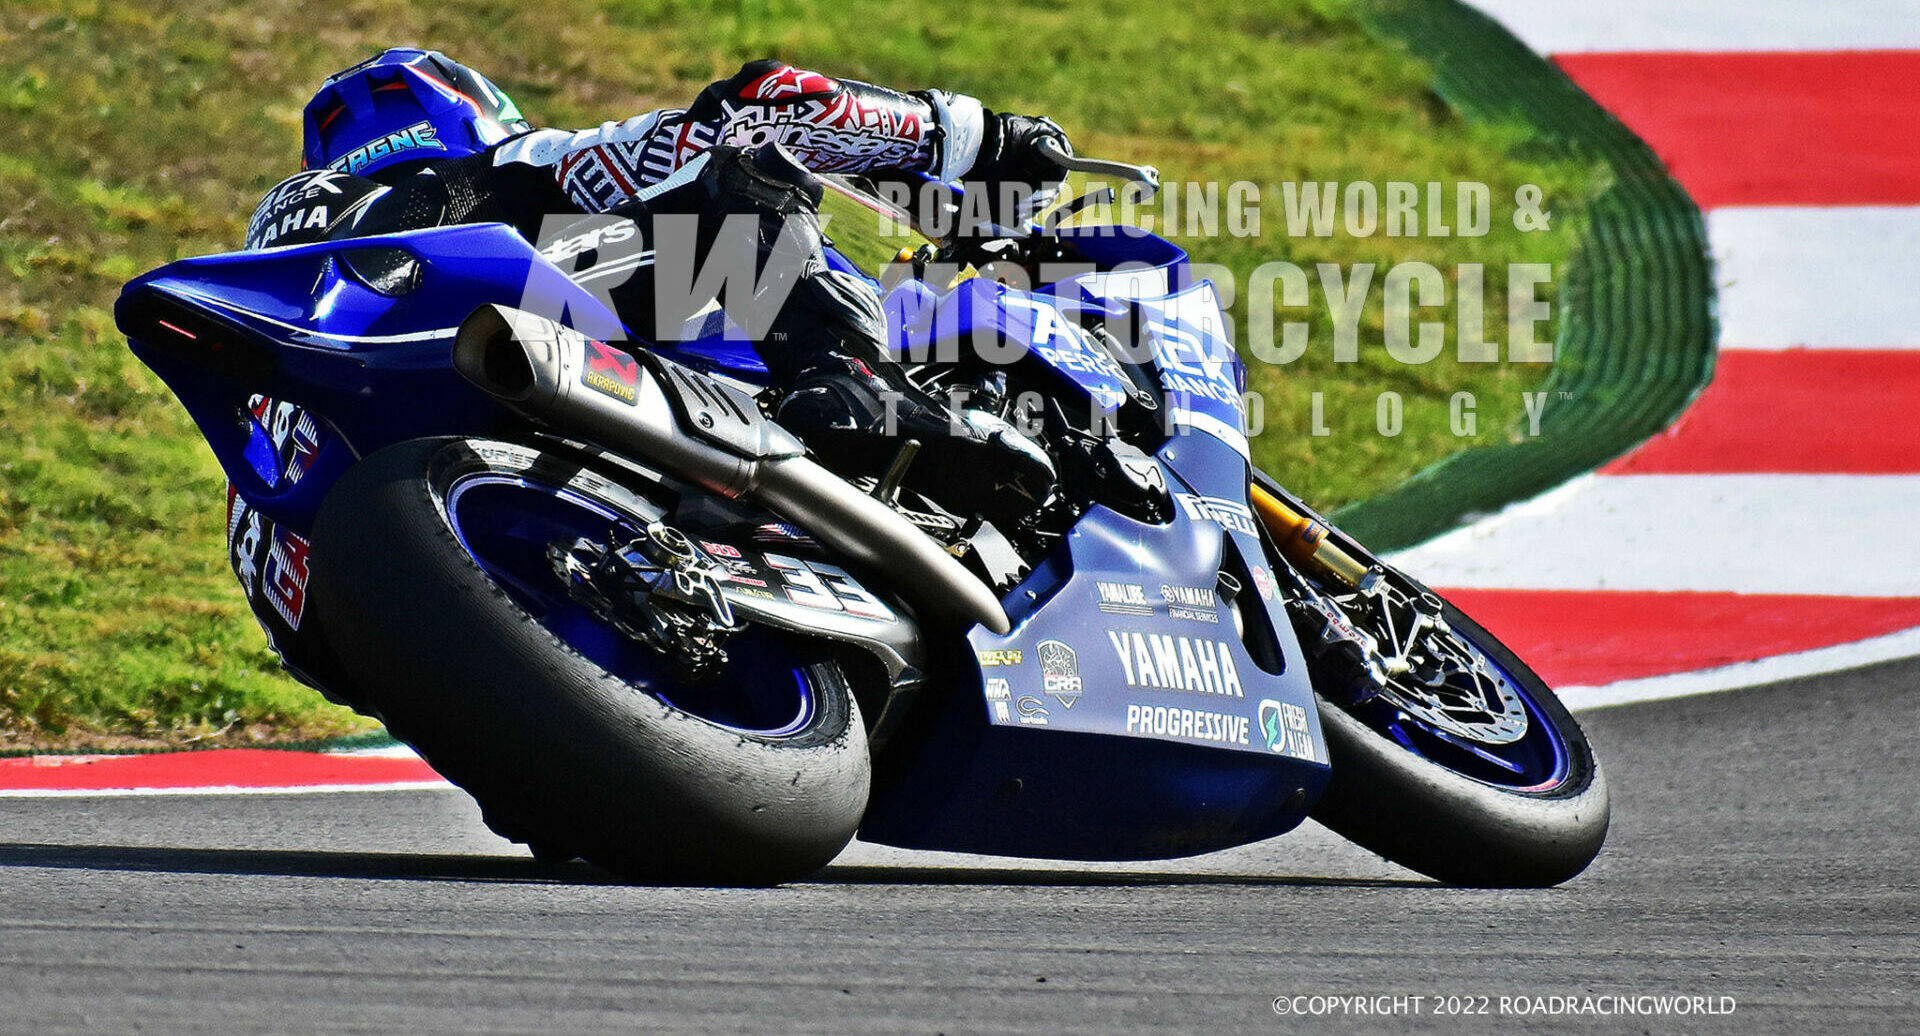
(559, 752)
(1462, 831)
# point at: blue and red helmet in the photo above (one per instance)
(405, 105)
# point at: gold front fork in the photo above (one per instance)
(1303, 541)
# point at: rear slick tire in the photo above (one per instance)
(559, 752)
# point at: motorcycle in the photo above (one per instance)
(597, 587)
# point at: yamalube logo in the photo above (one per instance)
(1283, 725)
(1172, 663)
(1124, 599)
(1059, 672)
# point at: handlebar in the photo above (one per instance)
(1143, 179)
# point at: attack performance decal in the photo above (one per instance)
(1283, 726)
(305, 204)
(1059, 672)
(1161, 661)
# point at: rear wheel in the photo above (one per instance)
(430, 559)
(1450, 756)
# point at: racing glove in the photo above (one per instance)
(1010, 155)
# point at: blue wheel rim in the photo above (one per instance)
(506, 522)
(1538, 761)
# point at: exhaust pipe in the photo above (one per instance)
(561, 378)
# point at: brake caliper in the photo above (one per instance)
(660, 590)
(1329, 634)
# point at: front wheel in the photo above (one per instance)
(430, 564)
(1450, 756)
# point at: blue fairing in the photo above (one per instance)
(1125, 716)
(1138, 708)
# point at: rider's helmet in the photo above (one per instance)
(404, 107)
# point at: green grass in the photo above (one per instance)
(139, 131)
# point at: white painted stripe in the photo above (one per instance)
(1903, 644)
(1565, 26)
(300, 789)
(1844, 278)
(1822, 535)
(415, 336)
(388, 752)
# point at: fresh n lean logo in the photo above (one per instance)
(1283, 726)
(612, 372)
(1060, 672)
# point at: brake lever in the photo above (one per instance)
(1144, 179)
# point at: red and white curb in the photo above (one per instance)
(225, 771)
(1768, 533)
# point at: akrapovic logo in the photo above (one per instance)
(612, 373)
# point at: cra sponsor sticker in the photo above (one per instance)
(1059, 672)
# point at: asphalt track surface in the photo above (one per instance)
(1763, 849)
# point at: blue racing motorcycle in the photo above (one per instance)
(598, 588)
